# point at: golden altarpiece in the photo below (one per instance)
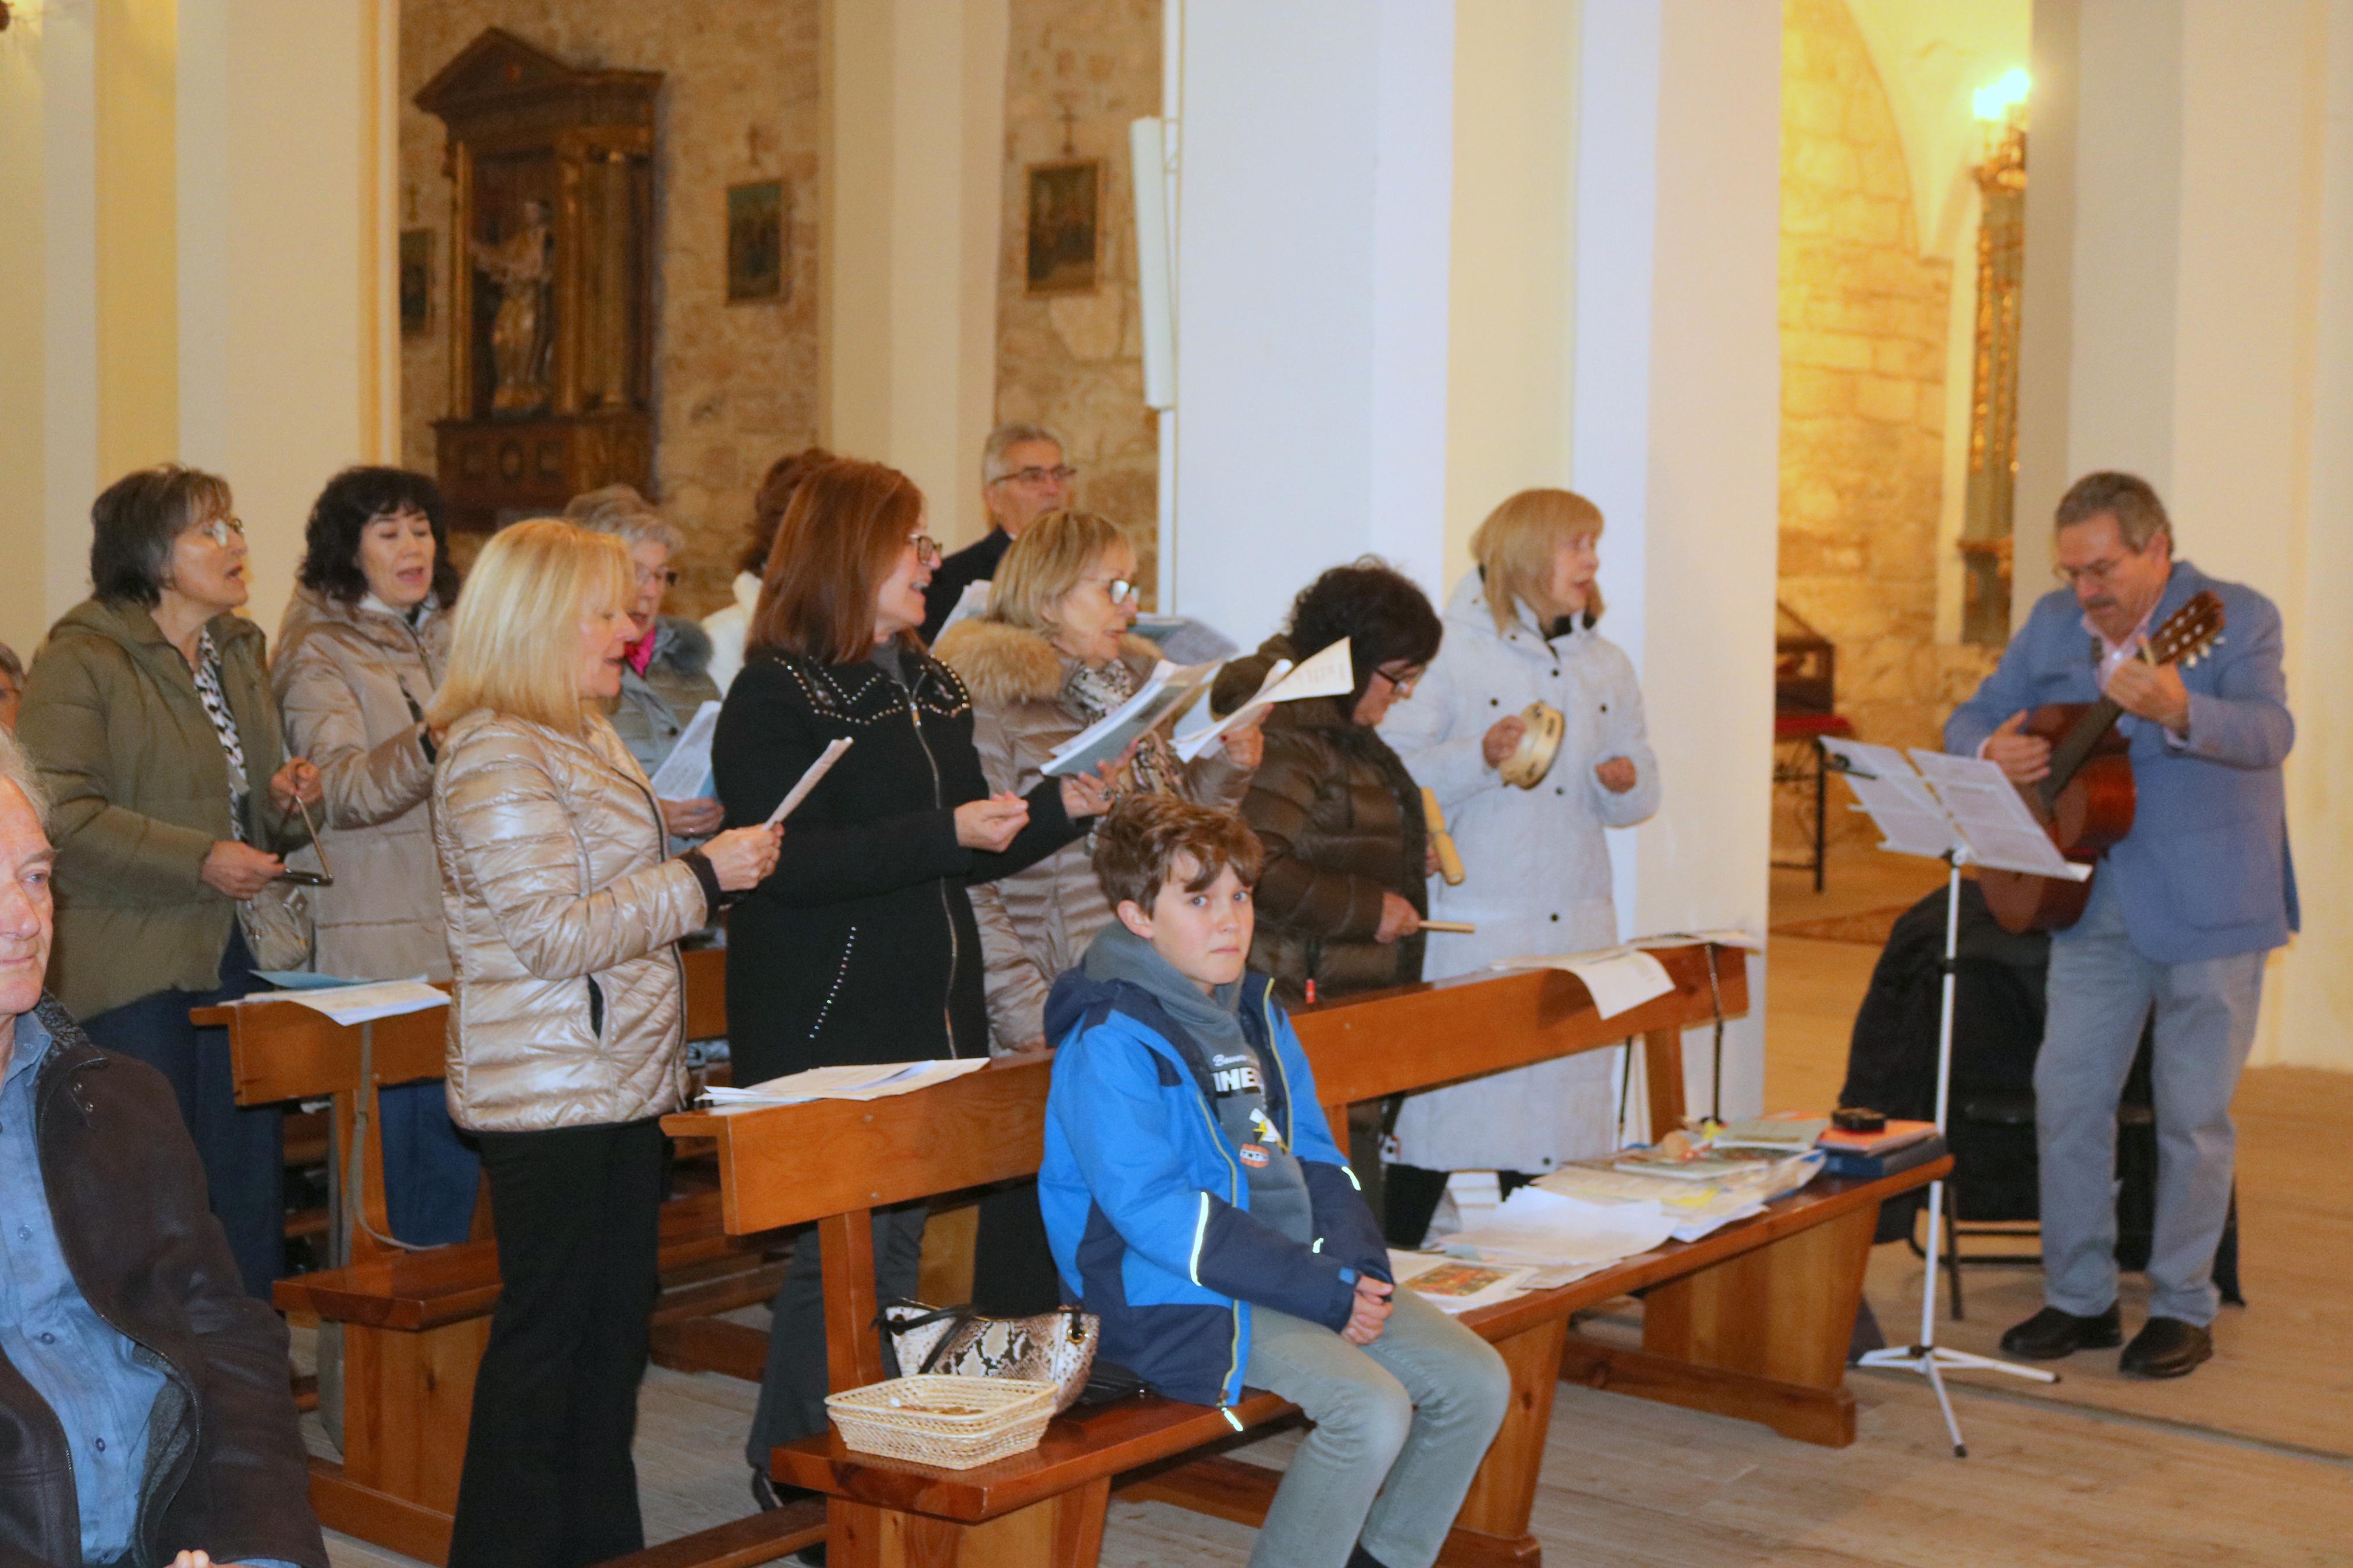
(550, 269)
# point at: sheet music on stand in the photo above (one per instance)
(1897, 797)
(1946, 804)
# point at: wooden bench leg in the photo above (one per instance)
(1503, 1494)
(1062, 1531)
(408, 1400)
(1761, 1337)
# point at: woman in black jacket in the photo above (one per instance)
(861, 946)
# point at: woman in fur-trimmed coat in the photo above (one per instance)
(1051, 657)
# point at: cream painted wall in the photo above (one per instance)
(1510, 298)
(914, 95)
(1932, 56)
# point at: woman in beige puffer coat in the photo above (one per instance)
(1053, 655)
(362, 650)
(566, 1033)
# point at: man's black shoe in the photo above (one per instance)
(2051, 1334)
(2167, 1347)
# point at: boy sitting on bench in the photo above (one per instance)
(1198, 1207)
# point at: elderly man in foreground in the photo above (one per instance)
(145, 1417)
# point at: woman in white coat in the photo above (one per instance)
(1519, 629)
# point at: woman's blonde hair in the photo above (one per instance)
(1514, 546)
(515, 648)
(1046, 562)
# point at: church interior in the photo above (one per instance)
(1824, 304)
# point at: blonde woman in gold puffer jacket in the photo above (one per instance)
(565, 1035)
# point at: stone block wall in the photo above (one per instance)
(1077, 72)
(1863, 318)
(735, 385)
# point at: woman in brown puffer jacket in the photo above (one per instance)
(1344, 892)
(361, 652)
(566, 1032)
(1053, 655)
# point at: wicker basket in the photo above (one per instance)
(955, 1423)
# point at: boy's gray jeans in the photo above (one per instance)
(1400, 1427)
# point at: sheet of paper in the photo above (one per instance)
(362, 1003)
(1538, 1227)
(809, 780)
(1619, 979)
(873, 1080)
(685, 773)
(303, 980)
(1327, 673)
(1721, 936)
(1186, 640)
(973, 602)
(1897, 797)
(1453, 1285)
(1169, 689)
(1992, 816)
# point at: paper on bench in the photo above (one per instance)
(1328, 673)
(809, 779)
(1618, 978)
(878, 1080)
(362, 1003)
(1992, 815)
(1540, 1229)
(685, 773)
(1721, 936)
(1453, 1285)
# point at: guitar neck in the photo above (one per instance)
(2075, 749)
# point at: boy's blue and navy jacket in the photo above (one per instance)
(1146, 1203)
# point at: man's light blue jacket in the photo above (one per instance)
(2205, 872)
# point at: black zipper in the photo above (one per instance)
(939, 802)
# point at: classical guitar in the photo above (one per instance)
(2086, 803)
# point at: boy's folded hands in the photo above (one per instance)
(1372, 1310)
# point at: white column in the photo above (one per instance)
(910, 191)
(1312, 295)
(1676, 437)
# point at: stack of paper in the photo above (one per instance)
(362, 1004)
(1540, 1229)
(1327, 673)
(878, 1081)
(1783, 1134)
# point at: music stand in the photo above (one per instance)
(1962, 811)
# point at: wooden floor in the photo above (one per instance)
(2249, 1461)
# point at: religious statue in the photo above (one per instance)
(520, 339)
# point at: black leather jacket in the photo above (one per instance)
(226, 1471)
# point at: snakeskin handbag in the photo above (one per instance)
(1057, 1347)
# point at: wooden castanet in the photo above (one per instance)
(2086, 817)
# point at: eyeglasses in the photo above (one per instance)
(1404, 683)
(667, 576)
(221, 530)
(2097, 573)
(1118, 589)
(927, 549)
(1060, 473)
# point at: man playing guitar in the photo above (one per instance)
(2182, 912)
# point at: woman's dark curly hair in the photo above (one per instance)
(353, 500)
(1383, 614)
(775, 494)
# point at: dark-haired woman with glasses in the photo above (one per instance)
(861, 946)
(362, 651)
(150, 714)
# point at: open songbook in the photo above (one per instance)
(1326, 673)
(1171, 687)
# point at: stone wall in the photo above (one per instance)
(1863, 319)
(735, 385)
(1077, 72)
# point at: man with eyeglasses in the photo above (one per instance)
(2182, 912)
(1022, 478)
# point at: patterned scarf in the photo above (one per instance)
(208, 693)
(1093, 693)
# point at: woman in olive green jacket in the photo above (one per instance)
(149, 714)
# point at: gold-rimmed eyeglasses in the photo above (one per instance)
(221, 530)
(927, 549)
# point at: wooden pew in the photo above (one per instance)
(1752, 1321)
(415, 1323)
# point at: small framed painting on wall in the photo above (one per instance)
(759, 243)
(1065, 229)
(415, 283)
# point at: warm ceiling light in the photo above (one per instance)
(1996, 101)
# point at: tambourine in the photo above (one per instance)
(1539, 743)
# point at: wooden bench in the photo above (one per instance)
(1751, 1321)
(415, 1323)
